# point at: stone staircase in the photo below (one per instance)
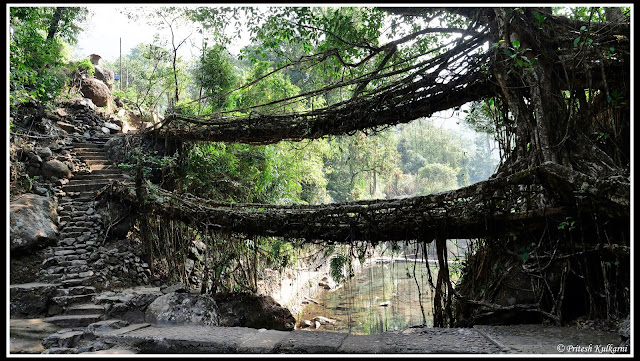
(69, 263)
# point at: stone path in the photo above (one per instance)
(80, 225)
(77, 316)
(518, 339)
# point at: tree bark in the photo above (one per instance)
(55, 21)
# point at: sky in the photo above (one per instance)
(104, 29)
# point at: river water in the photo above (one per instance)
(382, 297)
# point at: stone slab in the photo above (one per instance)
(542, 339)
(261, 342)
(320, 342)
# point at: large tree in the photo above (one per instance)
(555, 217)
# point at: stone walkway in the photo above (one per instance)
(519, 339)
(69, 262)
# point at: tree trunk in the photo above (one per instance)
(55, 20)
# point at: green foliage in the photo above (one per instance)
(82, 67)
(568, 224)
(216, 75)
(273, 87)
(437, 177)
(35, 66)
(337, 267)
(359, 166)
(35, 51)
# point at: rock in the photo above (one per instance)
(116, 128)
(116, 121)
(31, 300)
(105, 130)
(306, 323)
(625, 332)
(105, 75)
(41, 191)
(61, 112)
(316, 324)
(176, 288)
(121, 112)
(84, 103)
(33, 157)
(188, 265)
(55, 168)
(324, 320)
(328, 283)
(97, 91)
(45, 152)
(32, 222)
(255, 311)
(183, 308)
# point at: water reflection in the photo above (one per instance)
(382, 297)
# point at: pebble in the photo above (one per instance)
(86, 274)
(68, 241)
(64, 252)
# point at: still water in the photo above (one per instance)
(382, 297)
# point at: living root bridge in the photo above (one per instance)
(440, 83)
(523, 202)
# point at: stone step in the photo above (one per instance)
(110, 174)
(85, 187)
(77, 281)
(73, 300)
(72, 202)
(61, 351)
(31, 328)
(101, 327)
(90, 153)
(94, 158)
(80, 182)
(73, 235)
(85, 309)
(103, 171)
(74, 320)
(80, 290)
(97, 162)
(123, 330)
(87, 146)
(81, 196)
(65, 338)
(95, 167)
(71, 228)
(100, 149)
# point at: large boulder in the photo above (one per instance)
(55, 168)
(105, 75)
(129, 305)
(32, 223)
(32, 299)
(183, 308)
(97, 91)
(255, 311)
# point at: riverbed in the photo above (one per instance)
(385, 296)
